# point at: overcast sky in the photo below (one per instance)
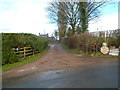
(29, 16)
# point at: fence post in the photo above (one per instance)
(33, 52)
(24, 51)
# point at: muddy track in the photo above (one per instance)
(58, 58)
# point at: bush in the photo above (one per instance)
(13, 40)
(8, 56)
(40, 41)
(84, 42)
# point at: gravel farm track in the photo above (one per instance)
(56, 60)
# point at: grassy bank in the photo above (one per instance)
(22, 62)
(76, 51)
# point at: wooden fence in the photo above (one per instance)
(25, 51)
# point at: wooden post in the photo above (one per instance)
(33, 52)
(24, 52)
(95, 49)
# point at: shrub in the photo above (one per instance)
(84, 42)
(12, 40)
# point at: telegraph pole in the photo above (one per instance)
(105, 36)
(44, 31)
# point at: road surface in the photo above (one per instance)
(59, 69)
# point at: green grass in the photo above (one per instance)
(76, 51)
(22, 62)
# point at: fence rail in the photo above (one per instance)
(25, 51)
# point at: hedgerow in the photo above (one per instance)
(14, 40)
(85, 42)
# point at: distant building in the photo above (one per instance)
(51, 39)
(47, 36)
(106, 33)
(43, 35)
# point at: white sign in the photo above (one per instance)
(114, 52)
(104, 49)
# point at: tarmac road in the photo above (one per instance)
(100, 77)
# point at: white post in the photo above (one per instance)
(105, 35)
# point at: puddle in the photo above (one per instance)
(52, 45)
(48, 75)
(58, 72)
(53, 72)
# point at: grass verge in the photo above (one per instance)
(76, 51)
(22, 62)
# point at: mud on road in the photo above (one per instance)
(58, 58)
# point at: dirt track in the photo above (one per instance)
(57, 58)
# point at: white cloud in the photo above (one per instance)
(30, 17)
(109, 22)
(26, 16)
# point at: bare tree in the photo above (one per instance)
(75, 15)
(65, 13)
(61, 26)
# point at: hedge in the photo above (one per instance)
(14, 40)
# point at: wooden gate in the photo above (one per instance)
(25, 51)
